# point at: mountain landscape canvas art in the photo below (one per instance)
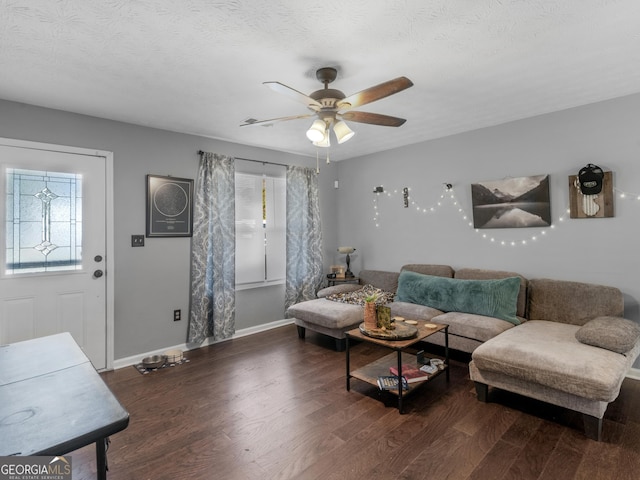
(512, 202)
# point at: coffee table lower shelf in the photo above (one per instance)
(370, 372)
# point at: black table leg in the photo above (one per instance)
(446, 350)
(348, 367)
(400, 381)
(101, 458)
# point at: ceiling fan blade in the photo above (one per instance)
(373, 119)
(375, 93)
(250, 122)
(295, 95)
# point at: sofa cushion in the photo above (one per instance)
(547, 353)
(484, 274)
(492, 298)
(413, 311)
(327, 313)
(466, 325)
(340, 288)
(429, 269)
(611, 333)
(572, 302)
(470, 325)
(387, 281)
(358, 297)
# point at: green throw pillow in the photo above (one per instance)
(492, 298)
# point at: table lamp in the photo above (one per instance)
(347, 251)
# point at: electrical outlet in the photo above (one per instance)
(137, 240)
(177, 315)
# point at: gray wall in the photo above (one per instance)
(559, 144)
(151, 282)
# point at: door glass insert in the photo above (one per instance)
(43, 221)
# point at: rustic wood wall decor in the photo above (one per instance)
(591, 206)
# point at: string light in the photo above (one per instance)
(626, 195)
(449, 195)
(418, 208)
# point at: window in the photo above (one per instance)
(260, 194)
(43, 221)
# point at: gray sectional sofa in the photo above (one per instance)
(561, 342)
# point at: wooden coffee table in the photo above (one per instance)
(370, 372)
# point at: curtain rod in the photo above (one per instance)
(200, 152)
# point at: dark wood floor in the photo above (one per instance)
(271, 406)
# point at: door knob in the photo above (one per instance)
(97, 273)
(97, 258)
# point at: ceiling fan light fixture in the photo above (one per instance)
(324, 143)
(316, 132)
(342, 131)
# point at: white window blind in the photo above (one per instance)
(260, 224)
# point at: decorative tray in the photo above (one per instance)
(401, 331)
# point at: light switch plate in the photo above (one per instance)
(137, 240)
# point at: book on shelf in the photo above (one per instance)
(412, 374)
(390, 382)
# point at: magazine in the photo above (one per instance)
(412, 374)
(390, 382)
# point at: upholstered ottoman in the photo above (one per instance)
(326, 317)
(334, 318)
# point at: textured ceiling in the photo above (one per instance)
(197, 66)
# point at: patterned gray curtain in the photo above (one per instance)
(304, 236)
(213, 247)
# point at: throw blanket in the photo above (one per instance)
(357, 297)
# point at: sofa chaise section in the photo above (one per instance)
(543, 358)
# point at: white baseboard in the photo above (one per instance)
(633, 373)
(135, 359)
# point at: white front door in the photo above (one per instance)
(53, 246)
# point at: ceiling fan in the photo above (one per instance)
(332, 107)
